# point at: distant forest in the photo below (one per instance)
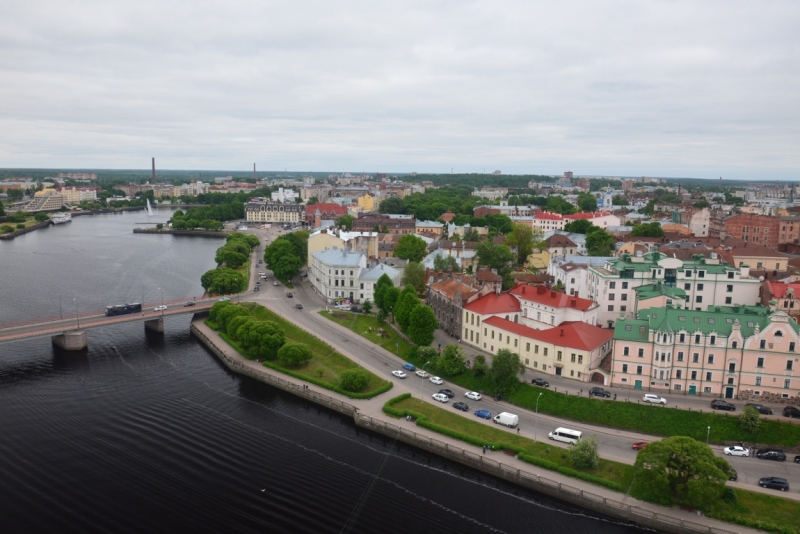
(478, 180)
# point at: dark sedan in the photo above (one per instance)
(771, 454)
(540, 382)
(791, 411)
(461, 406)
(447, 392)
(777, 483)
(719, 404)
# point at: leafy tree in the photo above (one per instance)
(445, 263)
(282, 259)
(14, 195)
(452, 361)
(619, 200)
(383, 283)
(249, 239)
(287, 267)
(495, 256)
(222, 281)
(218, 307)
(583, 454)
(422, 325)
(472, 235)
(414, 275)
(367, 306)
(599, 242)
(390, 297)
(479, 366)
(354, 379)
(679, 470)
(40, 217)
(557, 204)
(522, 236)
(497, 223)
(227, 314)
(426, 354)
(312, 201)
(345, 221)
(230, 258)
(652, 229)
(295, 354)
(235, 323)
(411, 248)
(701, 204)
(393, 205)
(261, 339)
(406, 303)
(587, 202)
(750, 420)
(559, 286)
(299, 240)
(578, 226)
(503, 374)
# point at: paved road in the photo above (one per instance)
(612, 444)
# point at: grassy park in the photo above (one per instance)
(368, 327)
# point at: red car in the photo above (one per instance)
(639, 445)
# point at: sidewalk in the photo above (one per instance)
(372, 408)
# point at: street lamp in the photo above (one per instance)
(422, 388)
(77, 317)
(536, 417)
(162, 301)
(708, 432)
(60, 309)
(397, 349)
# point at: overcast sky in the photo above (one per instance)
(656, 88)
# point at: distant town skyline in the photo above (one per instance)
(663, 89)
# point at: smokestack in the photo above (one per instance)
(254, 172)
(153, 175)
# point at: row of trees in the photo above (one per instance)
(207, 217)
(598, 241)
(287, 255)
(232, 255)
(414, 318)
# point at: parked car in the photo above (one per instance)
(763, 410)
(654, 399)
(422, 374)
(223, 299)
(461, 406)
(409, 367)
(257, 288)
(777, 483)
(483, 414)
(190, 303)
(399, 374)
(447, 392)
(356, 309)
(274, 283)
(473, 395)
(736, 450)
(639, 445)
(541, 382)
(599, 392)
(289, 294)
(436, 380)
(298, 306)
(797, 459)
(771, 454)
(441, 397)
(791, 411)
(719, 404)
(160, 308)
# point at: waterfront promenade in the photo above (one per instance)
(369, 414)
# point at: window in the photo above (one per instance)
(638, 369)
(789, 364)
(558, 356)
(678, 374)
(699, 287)
(694, 375)
(713, 339)
(710, 359)
(697, 338)
(515, 342)
(527, 347)
(687, 287)
(758, 380)
(729, 288)
(682, 338)
(535, 349)
(626, 351)
(624, 285)
(611, 307)
(760, 362)
(791, 346)
(734, 344)
(696, 357)
(611, 296)
(623, 308)
(701, 274)
(677, 387)
(612, 285)
(707, 389)
(573, 358)
(730, 274)
(624, 296)
(641, 353)
(680, 356)
(698, 299)
(624, 367)
(763, 344)
(787, 383)
(728, 300)
(688, 273)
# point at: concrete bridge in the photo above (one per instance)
(69, 333)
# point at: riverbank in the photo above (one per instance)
(194, 233)
(368, 414)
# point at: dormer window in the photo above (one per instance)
(778, 334)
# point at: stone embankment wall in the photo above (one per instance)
(16, 233)
(592, 501)
(195, 233)
(749, 395)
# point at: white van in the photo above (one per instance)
(508, 419)
(566, 435)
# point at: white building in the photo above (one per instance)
(369, 278)
(573, 272)
(707, 282)
(544, 308)
(335, 274)
(284, 196)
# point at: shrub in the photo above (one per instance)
(749, 420)
(354, 379)
(20, 227)
(583, 454)
(295, 354)
(6, 229)
(730, 496)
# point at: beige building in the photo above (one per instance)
(366, 202)
(365, 243)
(47, 202)
(260, 210)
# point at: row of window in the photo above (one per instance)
(665, 357)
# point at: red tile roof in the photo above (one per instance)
(778, 289)
(573, 334)
(548, 215)
(558, 240)
(587, 215)
(327, 207)
(493, 303)
(548, 297)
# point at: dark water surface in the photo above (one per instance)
(149, 433)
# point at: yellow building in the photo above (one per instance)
(366, 202)
(538, 259)
(327, 239)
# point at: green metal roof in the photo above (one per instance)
(650, 291)
(651, 260)
(719, 320)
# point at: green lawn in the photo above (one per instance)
(753, 508)
(325, 366)
(361, 323)
(615, 472)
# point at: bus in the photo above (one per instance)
(122, 309)
(566, 435)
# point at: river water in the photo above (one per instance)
(145, 432)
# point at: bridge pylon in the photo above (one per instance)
(75, 340)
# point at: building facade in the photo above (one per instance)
(263, 211)
(334, 274)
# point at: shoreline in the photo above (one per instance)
(576, 492)
(197, 233)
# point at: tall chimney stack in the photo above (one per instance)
(153, 175)
(254, 172)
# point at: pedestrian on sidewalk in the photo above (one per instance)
(615, 396)
(518, 429)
